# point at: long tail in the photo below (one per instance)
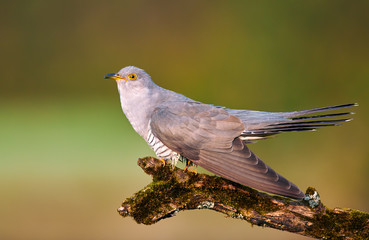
(274, 123)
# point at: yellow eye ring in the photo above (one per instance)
(132, 76)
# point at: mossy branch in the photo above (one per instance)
(173, 190)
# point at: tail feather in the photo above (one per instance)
(322, 116)
(321, 109)
(297, 121)
(299, 126)
(313, 123)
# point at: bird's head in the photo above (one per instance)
(131, 78)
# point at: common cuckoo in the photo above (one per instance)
(213, 137)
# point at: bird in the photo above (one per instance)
(215, 138)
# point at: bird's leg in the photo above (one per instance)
(174, 160)
(190, 164)
(163, 161)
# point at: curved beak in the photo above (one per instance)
(114, 76)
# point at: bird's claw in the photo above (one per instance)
(189, 165)
(163, 161)
(190, 170)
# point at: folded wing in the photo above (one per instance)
(210, 137)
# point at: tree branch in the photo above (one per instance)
(173, 190)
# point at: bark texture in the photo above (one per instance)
(173, 190)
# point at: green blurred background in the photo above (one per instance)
(68, 155)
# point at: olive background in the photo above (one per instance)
(68, 155)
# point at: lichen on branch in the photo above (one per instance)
(173, 190)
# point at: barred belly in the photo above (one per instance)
(161, 150)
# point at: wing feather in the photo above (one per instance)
(210, 137)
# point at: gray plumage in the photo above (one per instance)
(210, 136)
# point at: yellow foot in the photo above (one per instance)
(187, 169)
(192, 171)
(162, 160)
(190, 166)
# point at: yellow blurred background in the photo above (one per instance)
(68, 155)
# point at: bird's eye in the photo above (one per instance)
(132, 76)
